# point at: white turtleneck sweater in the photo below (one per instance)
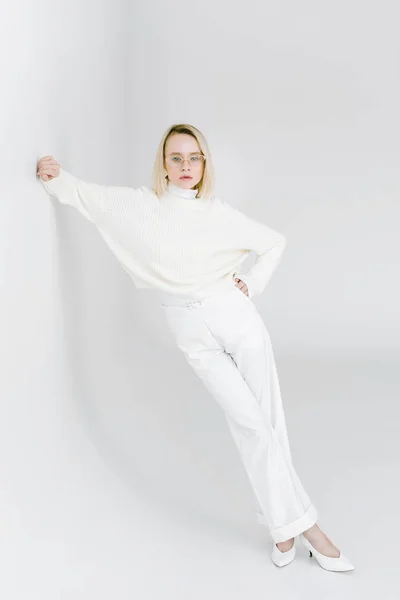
(178, 243)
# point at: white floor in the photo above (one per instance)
(192, 535)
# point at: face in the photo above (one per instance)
(184, 146)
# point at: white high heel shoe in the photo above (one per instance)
(280, 559)
(341, 563)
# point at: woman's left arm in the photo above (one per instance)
(268, 244)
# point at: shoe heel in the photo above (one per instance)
(341, 563)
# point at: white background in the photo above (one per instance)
(118, 477)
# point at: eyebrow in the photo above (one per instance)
(181, 153)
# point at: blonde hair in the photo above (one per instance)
(206, 185)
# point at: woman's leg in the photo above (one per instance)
(264, 384)
(253, 355)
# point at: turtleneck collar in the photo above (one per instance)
(186, 199)
(184, 193)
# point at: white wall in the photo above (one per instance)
(116, 467)
(300, 103)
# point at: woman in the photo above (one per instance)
(181, 239)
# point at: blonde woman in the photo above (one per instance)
(188, 243)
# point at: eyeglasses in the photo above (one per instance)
(175, 160)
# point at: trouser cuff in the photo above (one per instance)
(281, 534)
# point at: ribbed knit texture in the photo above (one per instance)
(178, 243)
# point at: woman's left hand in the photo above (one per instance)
(242, 286)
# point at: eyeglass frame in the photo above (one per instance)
(173, 165)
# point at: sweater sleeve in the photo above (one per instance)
(267, 243)
(90, 199)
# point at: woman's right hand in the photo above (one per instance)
(48, 168)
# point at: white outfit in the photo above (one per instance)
(178, 243)
(190, 248)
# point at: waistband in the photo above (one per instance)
(167, 299)
(172, 300)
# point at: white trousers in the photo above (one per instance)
(224, 339)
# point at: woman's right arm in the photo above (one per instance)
(90, 199)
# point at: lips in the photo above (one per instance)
(185, 177)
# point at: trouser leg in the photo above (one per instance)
(252, 353)
(228, 348)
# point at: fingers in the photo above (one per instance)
(242, 287)
(47, 161)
